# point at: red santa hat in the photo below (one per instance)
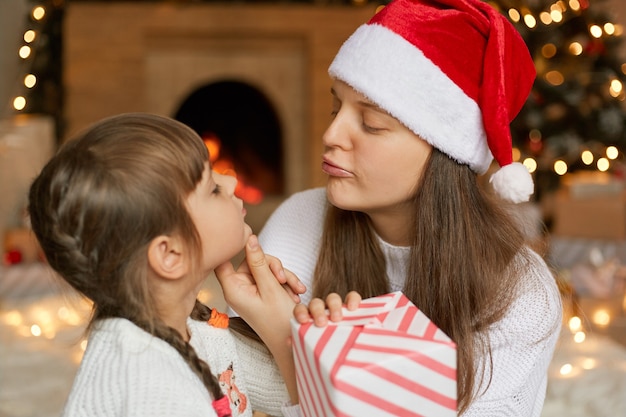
(455, 72)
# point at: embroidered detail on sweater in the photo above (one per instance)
(237, 398)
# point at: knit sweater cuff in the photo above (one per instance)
(290, 410)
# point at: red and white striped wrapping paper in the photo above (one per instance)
(384, 359)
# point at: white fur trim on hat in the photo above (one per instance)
(513, 182)
(396, 76)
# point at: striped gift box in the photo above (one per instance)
(384, 359)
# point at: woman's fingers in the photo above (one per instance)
(277, 268)
(290, 281)
(295, 297)
(317, 310)
(353, 300)
(334, 305)
(259, 266)
(293, 285)
(321, 311)
(248, 284)
(301, 313)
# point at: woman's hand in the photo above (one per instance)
(290, 282)
(261, 291)
(320, 312)
(257, 294)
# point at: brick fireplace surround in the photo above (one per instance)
(149, 56)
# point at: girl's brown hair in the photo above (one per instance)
(99, 202)
(460, 274)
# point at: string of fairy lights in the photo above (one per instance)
(25, 53)
(555, 14)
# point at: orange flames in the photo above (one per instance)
(248, 193)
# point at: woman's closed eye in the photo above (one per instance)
(371, 129)
(373, 123)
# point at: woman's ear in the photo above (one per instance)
(166, 257)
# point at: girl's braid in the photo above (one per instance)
(197, 365)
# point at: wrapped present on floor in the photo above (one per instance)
(384, 359)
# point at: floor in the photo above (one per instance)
(41, 346)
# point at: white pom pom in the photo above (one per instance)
(513, 182)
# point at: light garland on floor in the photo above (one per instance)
(58, 320)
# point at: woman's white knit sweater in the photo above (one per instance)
(127, 372)
(522, 342)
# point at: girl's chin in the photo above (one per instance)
(247, 232)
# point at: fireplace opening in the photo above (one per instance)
(242, 131)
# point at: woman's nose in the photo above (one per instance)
(336, 133)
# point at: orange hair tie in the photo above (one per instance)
(219, 320)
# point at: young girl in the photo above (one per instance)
(130, 214)
(423, 95)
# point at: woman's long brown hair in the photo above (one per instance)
(460, 273)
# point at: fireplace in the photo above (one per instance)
(179, 67)
(160, 56)
(243, 133)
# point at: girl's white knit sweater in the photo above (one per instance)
(127, 372)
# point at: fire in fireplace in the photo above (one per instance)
(241, 128)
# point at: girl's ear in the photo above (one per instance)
(166, 257)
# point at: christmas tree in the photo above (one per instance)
(40, 80)
(577, 101)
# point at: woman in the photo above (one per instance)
(423, 95)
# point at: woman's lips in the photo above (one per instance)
(333, 170)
